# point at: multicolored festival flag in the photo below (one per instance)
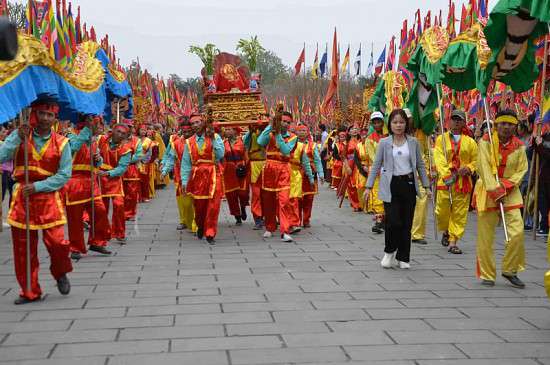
(380, 63)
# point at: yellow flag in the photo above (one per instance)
(345, 62)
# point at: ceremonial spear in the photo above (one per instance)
(23, 119)
(443, 141)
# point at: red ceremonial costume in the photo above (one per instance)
(78, 199)
(256, 161)
(112, 187)
(177, 143)
(308, 190)
(146, 168)
(46, 213)
(338, 153)
(276, 187)
(352, 188)
(236, 189)
(132, 182)
(205, 185)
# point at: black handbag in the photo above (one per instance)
(241, 170)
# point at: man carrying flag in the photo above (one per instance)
(509, 151)
(49, 170)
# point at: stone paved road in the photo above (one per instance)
(167, 298)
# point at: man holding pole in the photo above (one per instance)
(501, 166)
(42, 166)
(82, 192)
(455, 177)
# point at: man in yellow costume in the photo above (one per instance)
(455, 162)
(505, 157)
(373, 203)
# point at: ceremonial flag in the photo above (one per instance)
(333, 86)
(451, 29)
(78, 28)
(358, 62)
(404, 35)
(370, 67)
(418, 24)
(463, 20)
(301, 60)
(483, 9)
(428, 20)
(380, 63)
(391, 55)
(324, 60)
(315, 69)
(546, 109)
(346, 61)
(4, 8)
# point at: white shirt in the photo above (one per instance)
(401, 160)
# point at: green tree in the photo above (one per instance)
(272, 68)
(17, 14)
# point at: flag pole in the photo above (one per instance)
(429, 145)
(539, 132)
(489, 132)
(22, 120)
(305, 86)
(442, 128)
(92, 175)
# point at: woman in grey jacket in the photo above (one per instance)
(399, 163)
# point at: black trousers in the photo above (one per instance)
(399, 217)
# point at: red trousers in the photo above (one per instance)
(58, 249)
(75, 225)
(276, 203)
(132, 191)
(145, 187)
(306, 207)
(256, 192)
(294, 211)
(118, 223)
(237, 199)
(206, 214)
(353, 197)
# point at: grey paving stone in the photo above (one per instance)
(505, 350)
(159, 333)
(275, 328)
(9, 353)
(337, 339)
(478, 323)
(226, 343)
(42, 338)
(320, 315)
(414, 313)
(404, 352)
(110, 348)
(99, 360)
(173, 309)
(195, 358)
(303, 354)
(125, 322)
(222, 318)
(479, 362)
(424, 337)
(380, 324)
(524, 335)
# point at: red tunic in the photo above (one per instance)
(307, 188)
(205, 176)
(178, 145)
(79, 187)
(111, 187)
(276, 174)
(46, 209)
(132, 173)
(234, 156)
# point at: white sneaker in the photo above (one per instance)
(268, 234)
(387, 260)
(286, 238)
(5, 225)
(404, 265)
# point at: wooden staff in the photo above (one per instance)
(489, 132)
(443, 141)
(536, 157)
(92, 175)
(22, 120)
(434, 191)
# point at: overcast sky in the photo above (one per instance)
(161, 31)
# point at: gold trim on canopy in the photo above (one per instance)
(435, 42)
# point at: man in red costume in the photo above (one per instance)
(78, 192)
(131, 178)
(349, 165)
(235, 175)
(202, 178)
(276, 175)
(309, 190)
(338, 155)
(49, 169)
(116, 155)
(256, 159)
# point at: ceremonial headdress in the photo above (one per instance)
(507, 119)
(121, 127)
(47, 106)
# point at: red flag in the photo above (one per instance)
(300, 62)
(391, 55)
(451, 20)
(333, 86)
(463, 16)
(4, 7)
(428, 20)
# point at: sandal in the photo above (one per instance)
(455, 250)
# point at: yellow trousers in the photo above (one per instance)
(187, 212)
(418, 231)
(514, 251)
(360, 193)
(452, 219)
(375, 205)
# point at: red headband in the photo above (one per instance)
(45, 107)
(195, 117)
(302, 128)
(287, 118)
(122, 127)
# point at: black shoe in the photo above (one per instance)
(377, 228)
(542, 233)
(122, 240)
(445, 240)
(259, 225)
(211, 240)
(514, 280)
(294, 230)
(485, 282)
(307, 225)
(200, 233)
(76, 256)
(63, 285)
(100, 249)
(527, 228)
(420, 241)
(181, 227)
(243, 214)
(23, 300)
(238, 221)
